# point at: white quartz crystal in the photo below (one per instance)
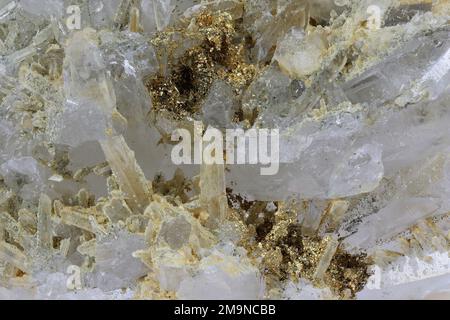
(300, 55)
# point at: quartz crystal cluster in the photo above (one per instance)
(92, 205)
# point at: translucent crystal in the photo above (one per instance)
(115, 265)
(427, 61)
(271, 95)
(176, 232)
(405, 12)
(222, 277)
(46, 8)
(156, 14)
(269, 22)
(76, 218)
(13, 255)
(316, 151)
(24, 175)
(419, 193)
(90, 99)
(213, 193)
(218, 108)
(326, 258)
(130, 176)
(44, 224)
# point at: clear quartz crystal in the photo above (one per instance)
(90, 98)
(421, 66)
(226, 277)
(116, 267)
(156, 14)
(419, 194)
(46, 8)
(218, 108)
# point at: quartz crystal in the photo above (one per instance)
(346, 100)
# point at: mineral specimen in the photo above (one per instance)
(93, 206)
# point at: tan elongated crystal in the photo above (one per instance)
(312, 216)
(64, 247)
(129, 175)
(14, 256)
(213, 193)
(421, 236)
(44, 226)
(27, 220)
(15, 230)
(88, 248)
(326, 258)
(5, 200)
(336, 212)
(76, 218)
(134, 19)
(8, 223)
(212, 187)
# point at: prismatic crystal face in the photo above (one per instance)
(224, 149)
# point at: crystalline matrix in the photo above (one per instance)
(93, 205)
